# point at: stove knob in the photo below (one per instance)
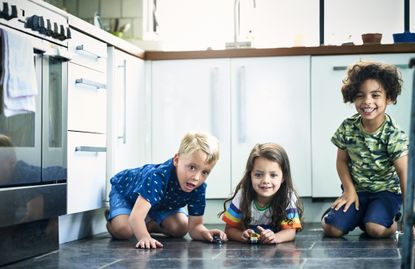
(61, 35)
(14, 12)
(49, 31)
(33, 23)
(42, 26)
(55, 33)
(5, 11)
(68, 33)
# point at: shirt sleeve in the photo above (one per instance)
(293, 218)
(398, 145)
(197, 204)
(338, 138)
(232, 215)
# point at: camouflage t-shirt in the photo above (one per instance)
(372, 154)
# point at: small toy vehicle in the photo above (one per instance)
(216, 239)
(254, 238)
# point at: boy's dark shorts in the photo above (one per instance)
(380, 208)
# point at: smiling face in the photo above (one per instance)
(266, 179)
(371, 102)
(192, 169)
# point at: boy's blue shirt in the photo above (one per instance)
(159, 185)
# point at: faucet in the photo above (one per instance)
(236, 28)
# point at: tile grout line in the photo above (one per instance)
(111, 263)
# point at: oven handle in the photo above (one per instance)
(57, 53)
(90, 149)
(90, 83)
(84, 49)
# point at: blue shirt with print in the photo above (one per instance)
(159, 185)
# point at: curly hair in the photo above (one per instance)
(387, 75)
(281, 200)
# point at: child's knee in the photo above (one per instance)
(379, 231)
(331, 231)
(176, 226)
(121, 232)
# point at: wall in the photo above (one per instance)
(127, 11)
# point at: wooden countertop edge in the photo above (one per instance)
(267, 52)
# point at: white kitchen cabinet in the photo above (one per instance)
(87, 116)
(126, 133)
(192, 95)
(271, 103)
(86, 171)
(328, 111)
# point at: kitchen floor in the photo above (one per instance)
(310, 250)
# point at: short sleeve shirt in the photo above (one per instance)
(262, 217)
(159, 185)
(372, 155)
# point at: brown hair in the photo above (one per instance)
(387, 75)
(281, 199)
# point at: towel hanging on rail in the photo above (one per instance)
(18, 77)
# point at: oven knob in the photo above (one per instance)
(49, 31)
(5, 11)
(61, 36)
(14, 12)
(55, 33)
(68, 33)
(33, 23)
(42, 26)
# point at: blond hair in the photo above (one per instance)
(193, 141)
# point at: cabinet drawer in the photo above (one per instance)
(86, 171)
(87, 99)
(88, 51)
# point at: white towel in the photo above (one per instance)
(18, 79)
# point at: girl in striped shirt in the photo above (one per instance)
(264, 201)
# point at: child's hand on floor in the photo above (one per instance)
(208, 235)
(148, 242)
(266, 236)
(246, 235)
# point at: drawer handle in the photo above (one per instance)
(90, 149)
(82, 48)
(90, 83)
(341, 68)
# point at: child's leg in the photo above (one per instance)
(169, 222)
(337, 223)
(119, 227)
(379, 220)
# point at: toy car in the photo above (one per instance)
(253, 238)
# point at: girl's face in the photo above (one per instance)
(192, 169)
(266, 178)
(371, 102)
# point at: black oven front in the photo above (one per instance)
(33, 144)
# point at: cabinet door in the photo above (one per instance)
(271, 103)
(126, 106)
(328, 111)
(86, 171)
(192, 95)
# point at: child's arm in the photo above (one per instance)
(198, 231)
(349, 195)
(138, 224)
(401, 167)
(237, 234)
(269, 237)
